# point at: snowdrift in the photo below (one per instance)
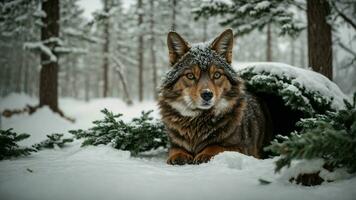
(290, 93)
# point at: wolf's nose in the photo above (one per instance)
(206, 95)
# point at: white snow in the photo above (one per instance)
(39, 46)
(106, 173)
(262, 5)
(308, 79)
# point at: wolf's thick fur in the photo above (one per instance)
(204, 105)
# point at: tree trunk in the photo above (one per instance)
(174, 13)
(26, 82)
(87, 86)
(140, 51)
(19, 74)
(106, 50)
(49, 72)
(119, 70)
(269, 44)
(292, 51)
(8, 77)
(205, 30)
(302, 50)
(153, 53)
(319, 37)
(74, 73)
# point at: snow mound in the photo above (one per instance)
(301, 78)
(41, 123)
(313, 166)
(234, 160)
(16, 101)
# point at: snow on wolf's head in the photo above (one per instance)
(201, 78)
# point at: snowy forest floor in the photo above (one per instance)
(106, 173)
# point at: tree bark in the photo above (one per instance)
(174, 13)
(205, 30)
(153, 53)
(302, 50)
(119, 70)
(319, 37)
(292, 51)
(19, 74)
(106, 50)
(140, 50)
(26, 83)
(49, 72)
(269, 44)
(86, 86)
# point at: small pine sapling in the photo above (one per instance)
(139, 135)
(54, 140)
(9, 147)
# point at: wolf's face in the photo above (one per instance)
(202, 89)
(201, 77)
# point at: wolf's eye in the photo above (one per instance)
(217, 75)
(190, 76)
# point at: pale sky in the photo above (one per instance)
(92, 5)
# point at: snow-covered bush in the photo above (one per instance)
(330, 136)
(139, 135)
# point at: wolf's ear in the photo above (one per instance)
(223, 45)
(177, 47)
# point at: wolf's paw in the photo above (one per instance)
(202, 158)
(180, 158)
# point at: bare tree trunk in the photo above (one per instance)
(75, 78)
(8, 77)
(153, 53)
(174, 13)
(106, 50)
(302, 51)
(205, 30)
(140, 51)
(20, 72)
(87, 86)
(119, 70)
(292, 51)
(319, 37)
(26, 83)
(49, 72)
(269, 44)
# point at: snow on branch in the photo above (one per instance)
(81, 35)
(39, 13)
(68, 50)
(39, 46)
(11, 4)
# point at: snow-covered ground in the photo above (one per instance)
(106, 173)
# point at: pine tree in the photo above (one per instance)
(245, 16)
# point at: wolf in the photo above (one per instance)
(204, 104)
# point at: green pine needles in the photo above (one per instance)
(9, 147)
(139, 135)
(331, 136)
(54, 140)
